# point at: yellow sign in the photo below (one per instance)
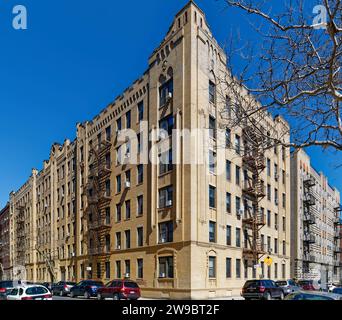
(268, 261)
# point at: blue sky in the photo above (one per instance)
(75, 58)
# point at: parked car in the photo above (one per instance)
(288, 286)
(337, 290)
(310, 295)
(30, 292)
(5, 286)
(62, 288)
(332, 286)
(262, 289)
(120, 289)
(86, 288)
(307, 285)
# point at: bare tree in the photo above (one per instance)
(49, 262)
(295, 72)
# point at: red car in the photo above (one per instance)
(119, 289)
(307, 285)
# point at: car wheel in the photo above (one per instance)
(99, 297)
(268, 296)
(282, 296)
(116, 297)
(61, 294)
(86, 295)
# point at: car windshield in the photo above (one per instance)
(70, 283)
(131, 285)
(281, 283)
(305, 282)
(13, 292)
(6, 284)
(252, 284)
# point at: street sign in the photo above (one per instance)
(268, 261)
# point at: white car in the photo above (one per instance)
(29, 292)
(331, 287)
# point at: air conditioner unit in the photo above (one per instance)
(163, 240)
(162, 275)
(169, 95)
(169, 203)
(276, 227)
(127, 155)
(240, 212)
(73, 254)
(128, 184)
(276, 177)
(118, 247)
(276, 202)
(46, 205)
(127, 275)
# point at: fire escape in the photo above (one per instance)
(253, 219)
(98, 199)
(20, 230)
(309, 220)
(337, 238)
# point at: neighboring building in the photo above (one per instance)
(315, 223)
(179, 230)
(5, 244)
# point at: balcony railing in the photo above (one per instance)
(309, 200)
(309, 182)
(309, 218)
(309, 238)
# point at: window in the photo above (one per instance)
(165, 92)
(276, 271)
(245, 264)
(284, 177)
(275, 245)
(107, 267)
(276, 221)
(212, 231)
(283, 273)
(238, 237)
(237, 144)
(166, 267)
(127, 268)
(140, 207)
(107, 243)
(284, 200)
(228, 138)
(283, 153)
(268, 167)
(128, 209)
(107, 188)
(237, 205)
(284, 224)
(118, 212)
(228, 170)
(212, 197)
(284, 248)
(269, 244)
(166, 232)
(118, 240)
(212, 161)
(238, 268)
(140, 237)
(118, 269)
(269, 272)
(128, 239)
(212, 267)
(140, 267)
(118, 184)
(139, 142)
(140, 111)
(262, 269)
(128, 176)
(109, 133)
(212, 92)
(228, 267)
(276, 176)
(167, 124)
(140, 169)
(276, 199)
(165, 162)
(165, 197)
(118, 124)
(269, 192)
(228, 107)
(237, 175)
(108, 161)
(229, 236)
(228, 202)
(128, 119)
(212, 127)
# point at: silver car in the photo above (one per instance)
(313, 295)
(288, 286)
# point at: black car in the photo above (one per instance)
(86, 288)
(62, 288)
(262, 290)
(5, 286)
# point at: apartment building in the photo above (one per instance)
(179, 227)
(315, 215)
(4, 244)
